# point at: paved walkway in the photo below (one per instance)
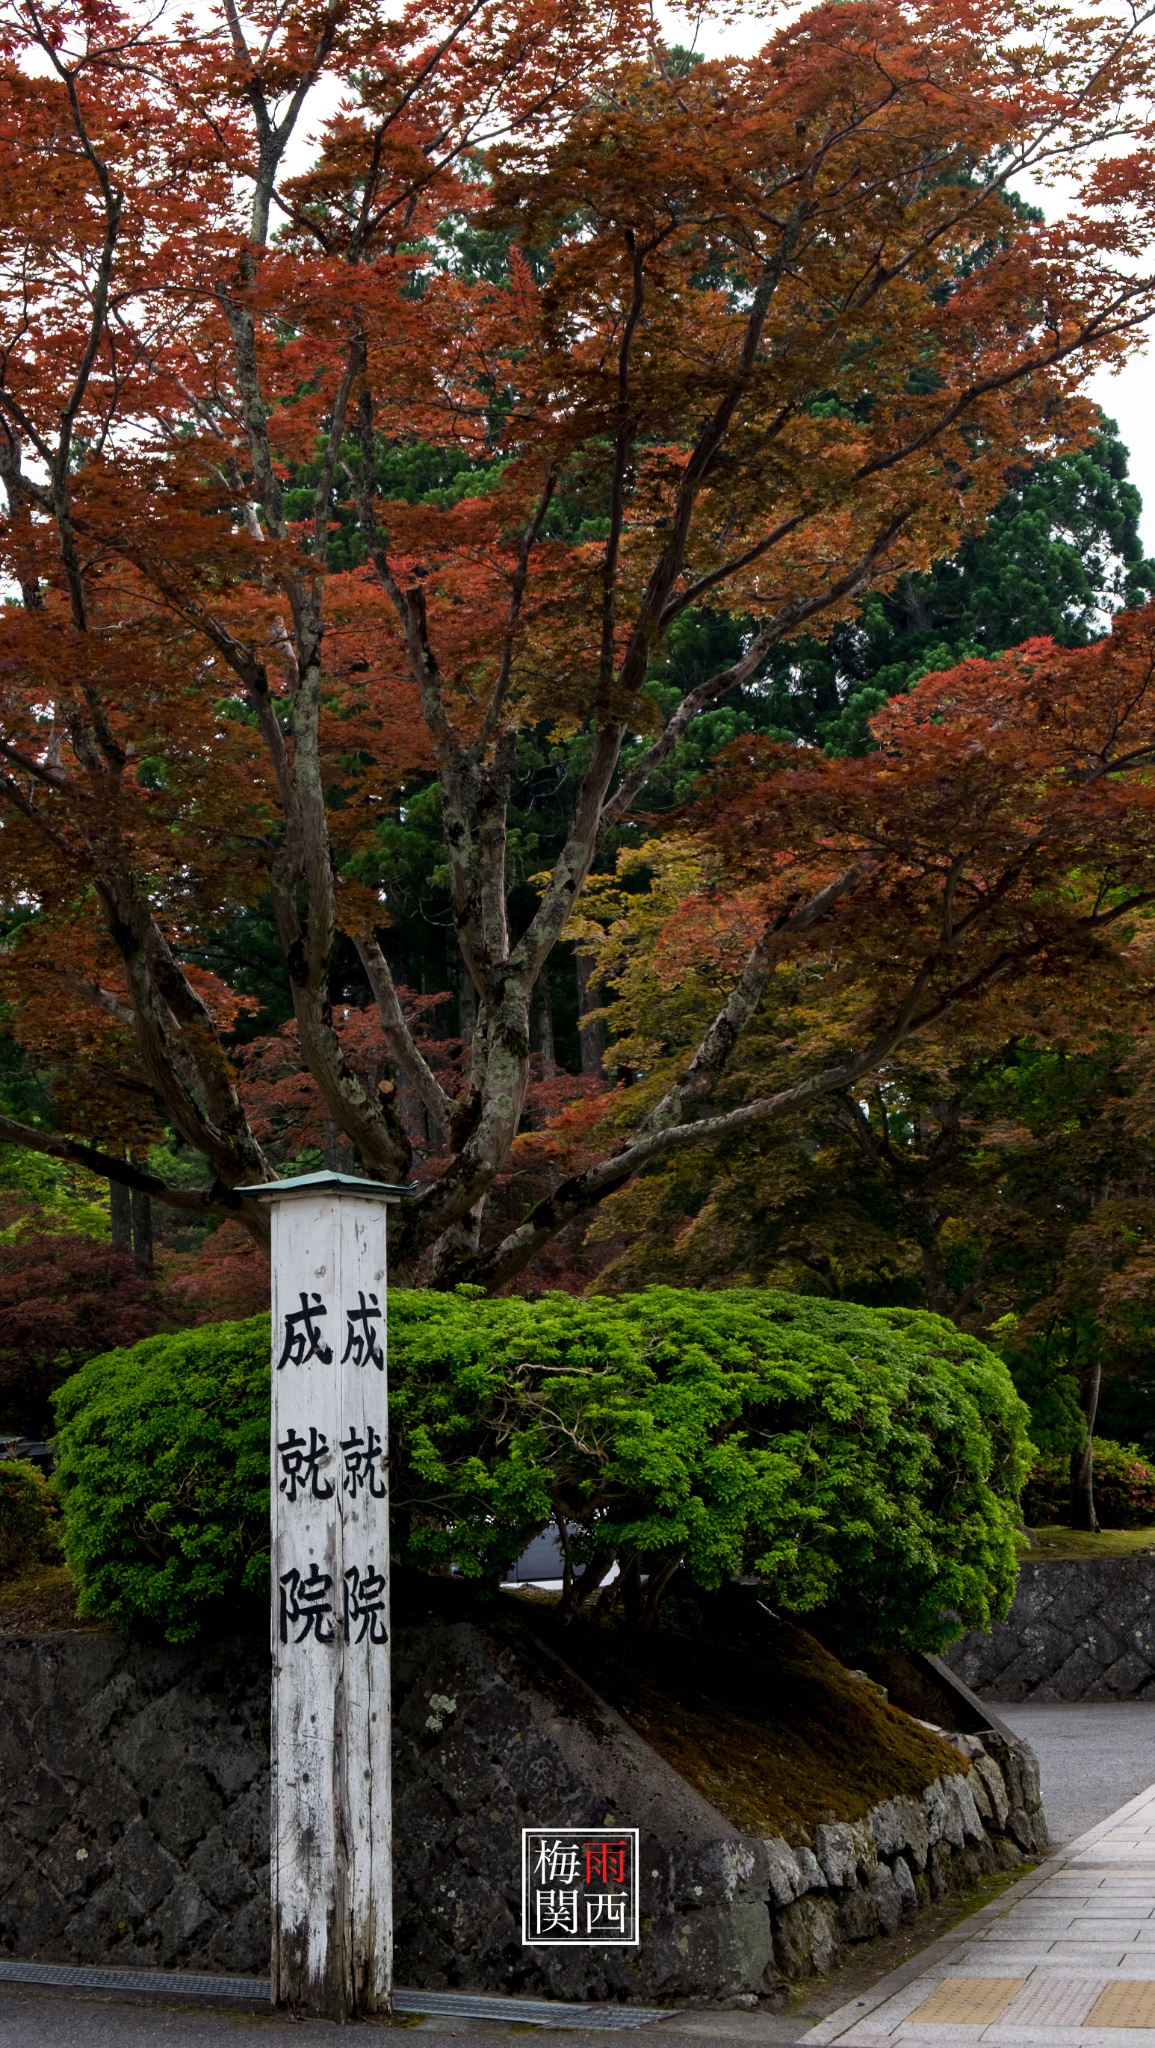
(1091, 1758)
(1066, 1959)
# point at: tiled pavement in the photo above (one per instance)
(1064, 1960)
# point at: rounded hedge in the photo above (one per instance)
(162, 1466)
(861, 1461)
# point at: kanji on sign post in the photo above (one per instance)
(331, 1817)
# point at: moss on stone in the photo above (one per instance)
(766, 1724)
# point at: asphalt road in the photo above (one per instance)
(53, 2019)
(1092, 1759)
(31, 2018)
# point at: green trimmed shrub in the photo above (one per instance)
(29, 1523)
(862, 1461)
(162, 1466)
(1124, 1484)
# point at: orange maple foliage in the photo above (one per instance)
(773, 322)
(988, 870)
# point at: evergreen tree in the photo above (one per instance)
(1060, 553)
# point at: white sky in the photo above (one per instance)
(1129, 398)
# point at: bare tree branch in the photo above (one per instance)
(400, 1039)
(217, 1200)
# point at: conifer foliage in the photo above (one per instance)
(757, 336)
(865, 1462)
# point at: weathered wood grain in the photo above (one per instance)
(331, 1846)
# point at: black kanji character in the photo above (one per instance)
(365, 1606)
(360, 1337)
(301, 1463)
(364, 1463)
(303, 1600)
(302, 1336)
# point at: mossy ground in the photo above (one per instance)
(762, 1720)
(40, 1599)
(1063, 1542)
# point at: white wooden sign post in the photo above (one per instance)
(332, 1949)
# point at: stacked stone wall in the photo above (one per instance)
(873, 1876)
(1079, 1629)
(134, 1802)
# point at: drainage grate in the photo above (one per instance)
(465, 2005)
(533, 2012)
(66, 1976)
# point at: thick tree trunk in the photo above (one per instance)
(466, 1003)
(592, 1036)
(335, 1146)
(541, 1026)
(411, 1110)
(120, 1209)
(934, 1276)
(142, 1225)
(1083, 1514)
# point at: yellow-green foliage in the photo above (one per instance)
(162, 1463)
(66, 1197)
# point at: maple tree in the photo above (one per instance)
(754, 336)
(64, 1298)
(938, 1090)
(1059, 554)
(988, 866)
(65, 1292)
(957, 1180)
(68, 1293)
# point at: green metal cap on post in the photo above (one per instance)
(321, 1183)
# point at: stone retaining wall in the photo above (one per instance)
(870, 1877)
(494, 1732)
(1079, 1629)
(134, 1803)
(133, 1823)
